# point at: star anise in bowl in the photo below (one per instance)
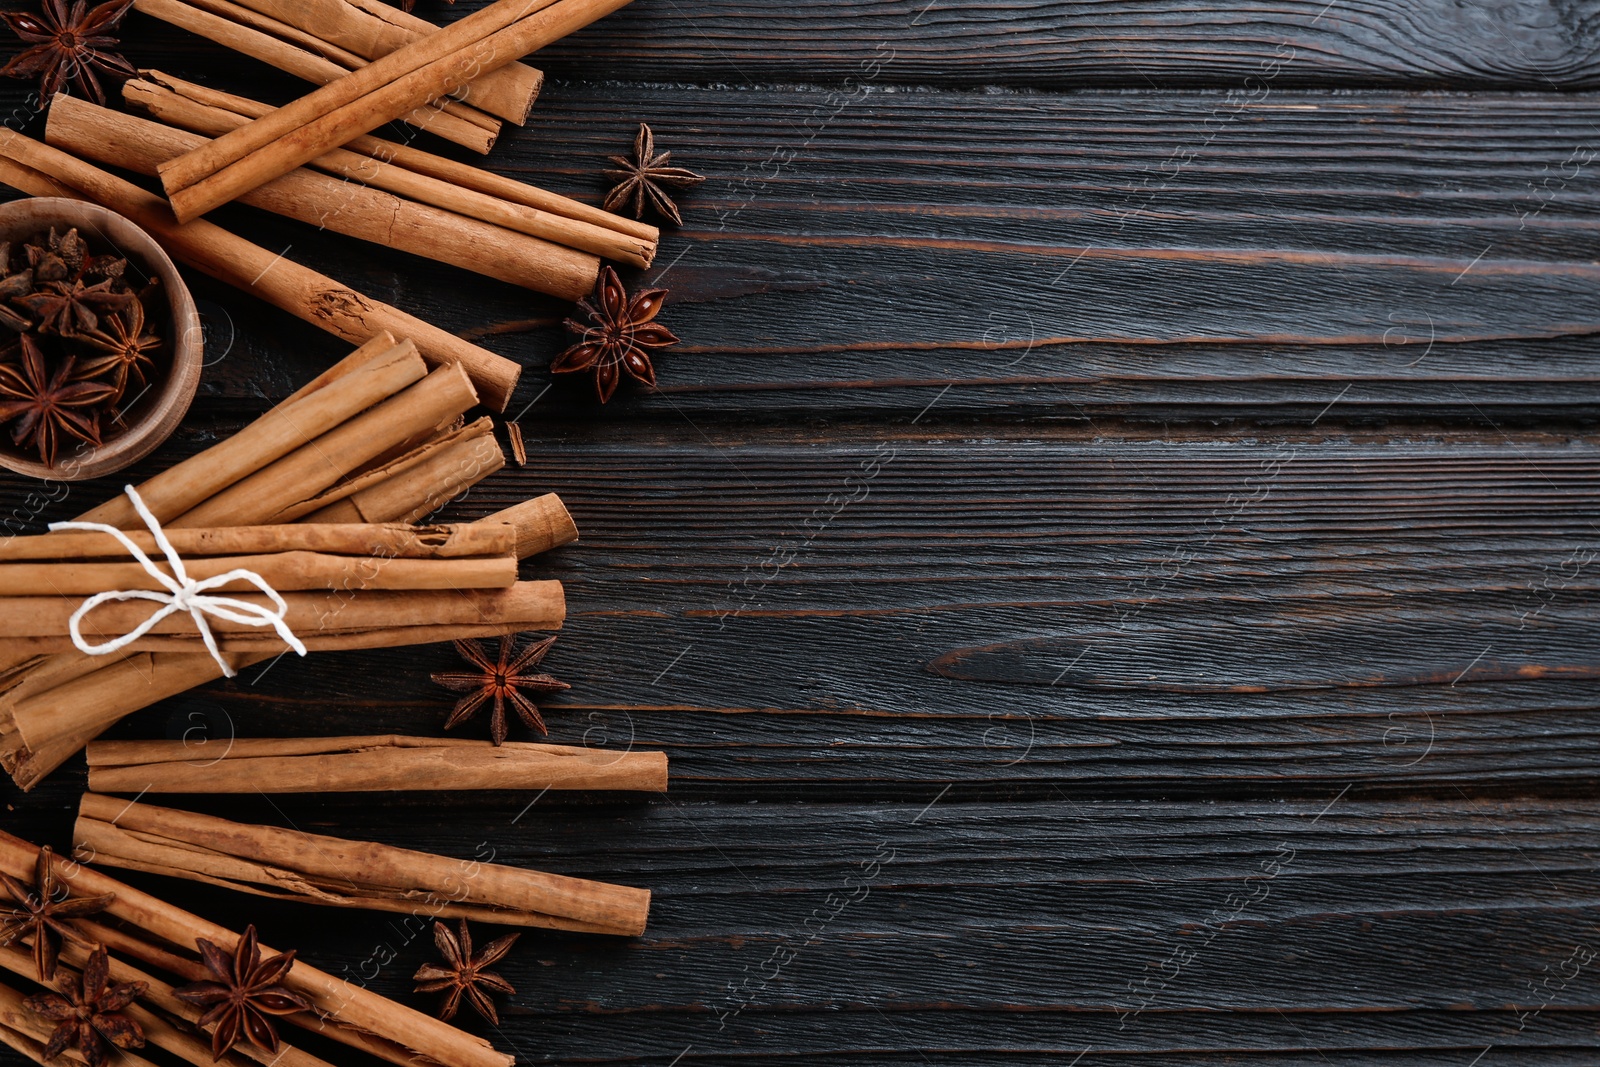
(85, 356)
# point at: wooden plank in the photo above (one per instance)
(1423, 44)
(1001, 933)
(1039, 611)
(1543, 45)
(1129, 256)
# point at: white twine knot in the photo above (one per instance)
(183, 594)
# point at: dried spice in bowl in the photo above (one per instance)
(80, 341)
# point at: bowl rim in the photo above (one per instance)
(168, 407)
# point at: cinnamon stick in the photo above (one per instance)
(40, 170)
(367, 764)
(454, 122)
(365, 99)
(341, 1002)
(283, 571)
(381, 165)
(317, 869)
(386, 540)
(508, 93)
(348, 207)
(373, 373)
(321, 619)
(413, 484)
(163, 96)
(269, 493)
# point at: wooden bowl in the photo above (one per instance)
(154, 416)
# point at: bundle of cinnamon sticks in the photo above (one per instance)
(151, 941)
(344, 586)
(377, 439)
(450, 61)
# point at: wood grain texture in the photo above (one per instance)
(1539, 44)
(1014, 933)
(802, 616)
(1137, 548)
(1088, 256)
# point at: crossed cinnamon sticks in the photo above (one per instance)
(147, 937)
(430, 67)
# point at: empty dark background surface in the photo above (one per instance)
(1112, 563)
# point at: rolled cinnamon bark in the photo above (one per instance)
(375, 372)
(379, 168)
(265, 495)
(340, 1002)
(164, 96)
(365, 99)
(507, 93)
(40, 170)
(321, 619)
(413, 484)
(367, 764)
(283, 571)
(316, 869)
(454, 122)
(347, 207)
(386, 540)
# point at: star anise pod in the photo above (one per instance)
(247, 991)
(502, 681)
(129, 350)
(72, 307)
(69, 44)
(13, 285)
(88, 1013)
(463, 972)
(617, 337)
(44, 912)
(43, 407)
(645, 178)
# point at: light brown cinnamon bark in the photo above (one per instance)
(453, 121)
(263, 497)
(348, 207)
(365, 99)
(411, 485)
(386, 540)
(317, 869)
(40, 170)
(341, 1002)
(507, 93)
(164, 96)
(321, 619)
(377, 167)
(367, 764)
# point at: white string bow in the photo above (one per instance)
(184, 594)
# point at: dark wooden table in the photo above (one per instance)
(1113, 562)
